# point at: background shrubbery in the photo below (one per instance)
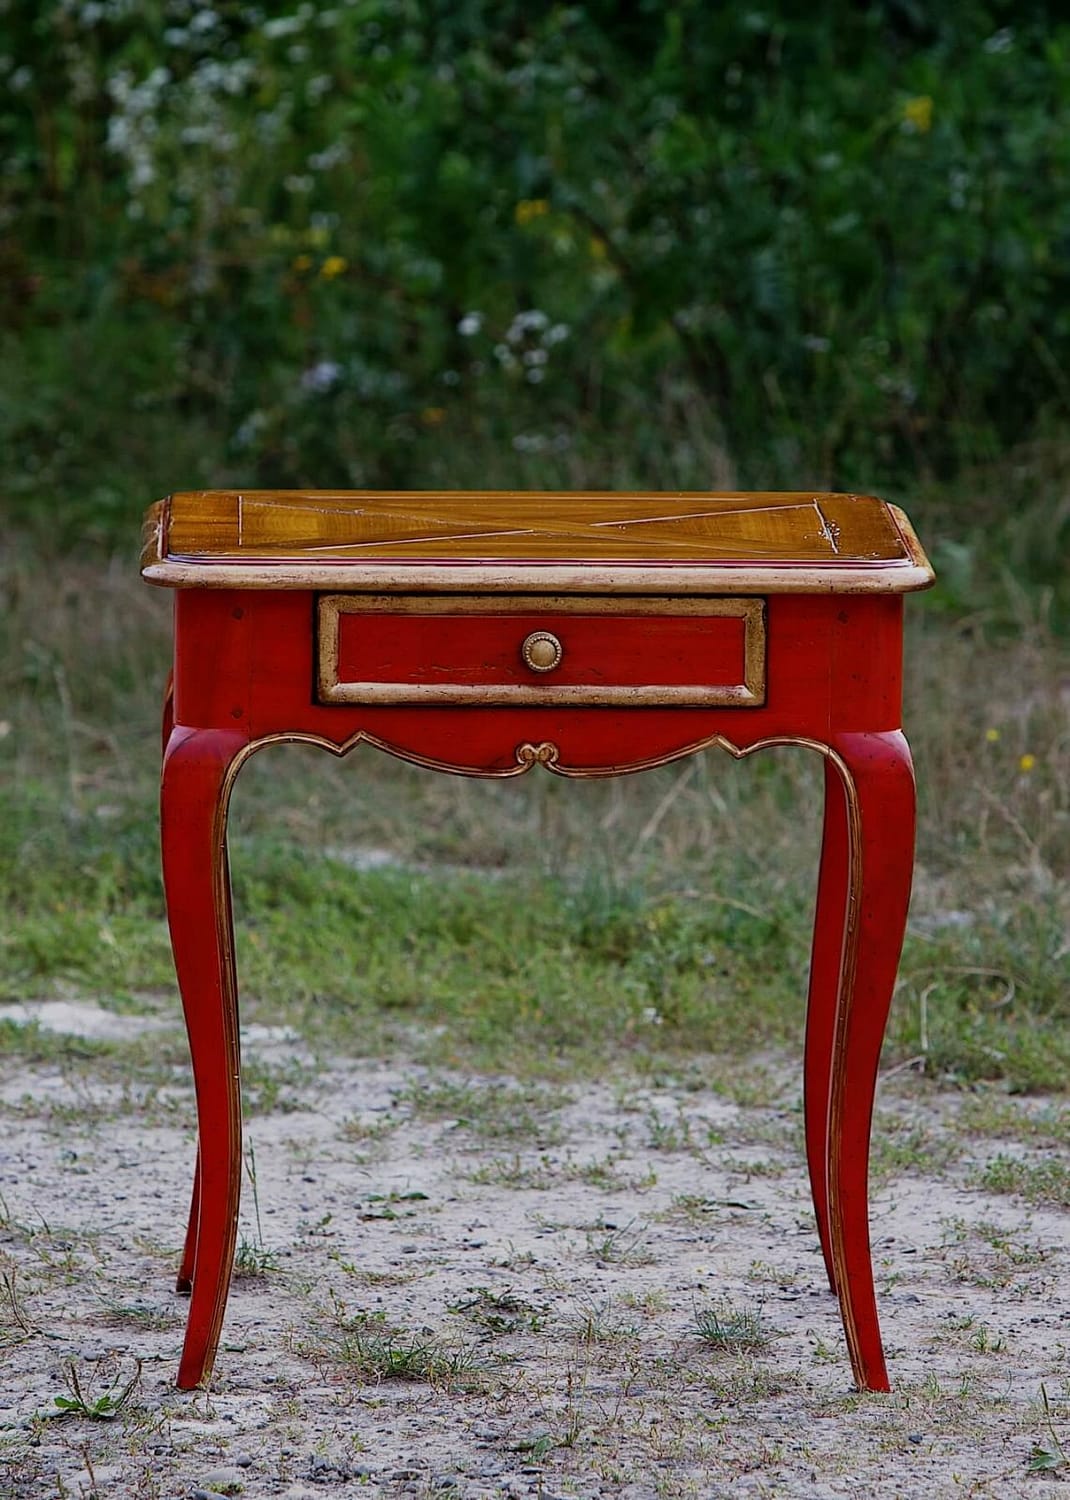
(418, 242)
(673, 243)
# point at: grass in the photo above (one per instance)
(546, 1172)
(372, 1350)
(574, 930)
(624, 1245)
(988, 1114)
(490, 1111)
(1045, 1182)
(253, 1262)
(987, 1255)
(723, 1327)
(899, 1146)
(500, 1313)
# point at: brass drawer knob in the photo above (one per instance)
(541, 651)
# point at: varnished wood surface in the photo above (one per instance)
(795, 541)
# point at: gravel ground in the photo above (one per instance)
(606, 1290)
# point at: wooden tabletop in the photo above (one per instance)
(793, 541)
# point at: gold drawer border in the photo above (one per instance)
(750, 693)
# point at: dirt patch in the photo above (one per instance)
(611, 1290)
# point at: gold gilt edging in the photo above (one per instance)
(546, 754)
(750, 693)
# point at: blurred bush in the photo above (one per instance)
(386, 242)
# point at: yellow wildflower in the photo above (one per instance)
(333, 266)
(991, 735)
(530, 208)
(918, 113)
(301, 263)
(597, 247)
(433, 416)
(1026, 762)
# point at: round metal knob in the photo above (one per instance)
(541, 651)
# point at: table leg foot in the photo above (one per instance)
(195, 788)
(878, 780)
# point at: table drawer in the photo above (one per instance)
(516, 650)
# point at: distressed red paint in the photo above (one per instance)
(245, 665)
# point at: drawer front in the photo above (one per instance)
(516, 650)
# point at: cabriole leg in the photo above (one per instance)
(184, 1281)
(194, 794)
(825, 965)
(879, 782)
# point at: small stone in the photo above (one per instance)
(242, 1461)
(916, 1437)
(226, 1481)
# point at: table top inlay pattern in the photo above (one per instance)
(256, 538)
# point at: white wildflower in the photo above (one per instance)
(321, 376)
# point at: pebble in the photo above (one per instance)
(226, 1481)
(322, 1469)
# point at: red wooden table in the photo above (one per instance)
(593, 635)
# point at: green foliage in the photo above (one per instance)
(413, 242)
(372, 1350)
(1045, 1458)
(723, 1326)
(1045, 1181)
(104, 1407)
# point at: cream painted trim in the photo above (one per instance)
(541, 692)
(572, 578)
